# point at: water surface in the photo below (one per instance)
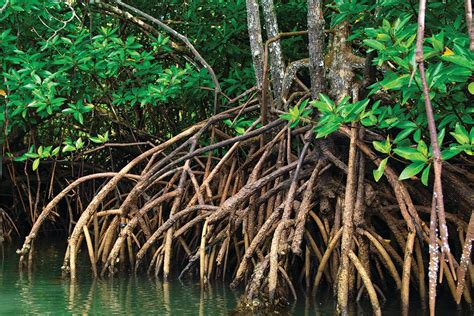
(43, 291)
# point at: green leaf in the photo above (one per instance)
(292, 124)
(412, 170)
(397, 83)
(20, 158)
(284, 116)
(459, 60)
(417, 135)
(438, 43)
(406, 124)
(96, 140)
(384, 147)
(36, 164)
(31, 155)
(324, 104)
(403, 134)
(379, 147)
(450, 153)
(17, 8)
(368, 121)
(374, 44)
(327, 129)
(383, 37)
(460, 134)
(441, 136)
(79, 143)
(379, 172)
(410, 153)
(56, 151)
(68, 148)
(425, 175)
(422, 148)
(470, 88)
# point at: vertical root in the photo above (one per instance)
(405, 293)
(272, 275)
(367, 282)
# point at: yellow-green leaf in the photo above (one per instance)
(36, 164)
(448, 52)
(470, 87)
(379, 172)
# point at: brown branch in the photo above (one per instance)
(437, 203)
(470, 28)
(185, 40)
(265, 87)
(51, 205)
(129, 17)
(277, 66)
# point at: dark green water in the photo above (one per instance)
(42, 291)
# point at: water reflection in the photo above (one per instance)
(42, 290)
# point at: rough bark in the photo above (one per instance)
(256, 43)
(276, 56)
(316, 46)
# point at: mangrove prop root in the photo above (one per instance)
(266, 212)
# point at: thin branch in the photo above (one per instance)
(265, 87)
(470, 28)
(4, 6)
(140, 23)
(437, 202)
(185, 40)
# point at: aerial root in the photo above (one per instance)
(269, 208)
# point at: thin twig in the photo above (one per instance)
(185, 40)
(437, 203)
(4, 6)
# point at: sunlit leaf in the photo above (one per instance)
(411, 170)
(470, 88)
(447, 52)
(410, 153)
(378, 173)
(36, 164)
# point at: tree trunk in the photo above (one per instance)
(276, 56)
(316, 46)
(255, 36)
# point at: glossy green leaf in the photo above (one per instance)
(374, 44)
(378, 173)
(412, 170)
(450, 153)
(410, 153)
(460, 134)
(425, 175)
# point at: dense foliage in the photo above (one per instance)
(236, 130)
(72, 73)
(65, 69)
(395, 104)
